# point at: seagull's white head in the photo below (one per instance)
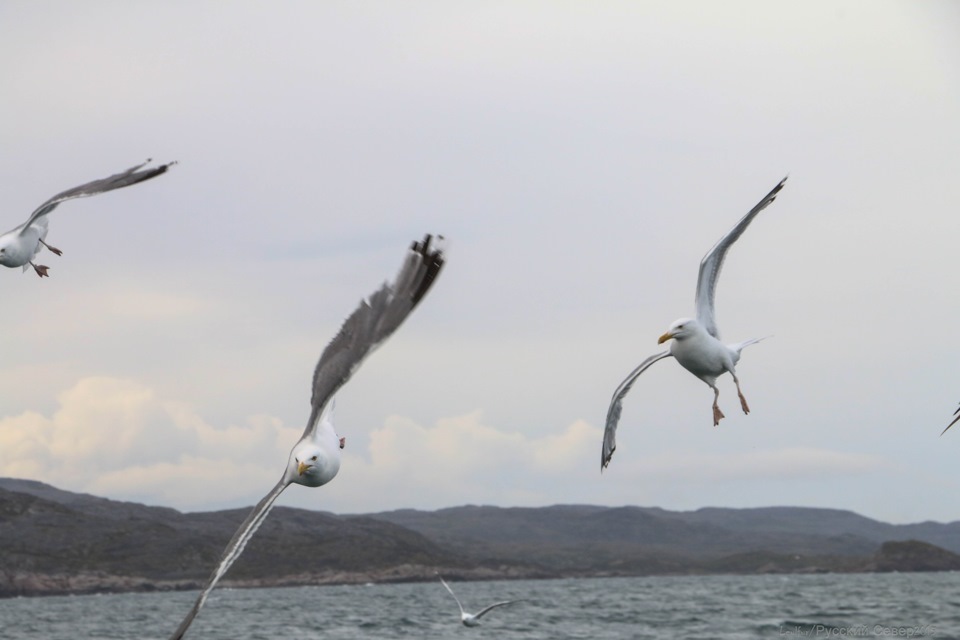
(313, 465)
(315, 460)
(681, 330)
(7, 257)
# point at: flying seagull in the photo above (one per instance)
(472, 619)
(955, 420)
(315, 459)
(696, 342)
(18, 247)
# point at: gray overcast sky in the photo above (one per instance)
(581, 157)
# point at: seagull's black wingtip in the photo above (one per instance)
(605, 459)
(434, 262)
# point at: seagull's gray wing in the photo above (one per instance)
(616, 405)
(131, 176)
(233, 551)
(494, 606)
(957, 418)
(373, 321)
(713, 261)
(451, 593)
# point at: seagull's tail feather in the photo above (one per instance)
(746, 343)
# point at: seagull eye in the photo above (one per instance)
(314, 458)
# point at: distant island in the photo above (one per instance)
(58, 542)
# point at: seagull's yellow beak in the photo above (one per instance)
(664, 337)
(301, 467)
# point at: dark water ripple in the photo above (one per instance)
(708, 608)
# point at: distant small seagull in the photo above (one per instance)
(957, 418)
(470, 619)
(20, 246)
(696, 343)
(315, 459)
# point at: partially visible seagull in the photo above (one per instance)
(18, 247)
(472, 619)
(696, 342)
(315, 459)
(957, 418)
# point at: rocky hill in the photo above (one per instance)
(704, 534)
(54, 541)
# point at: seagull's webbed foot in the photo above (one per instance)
(743, 399)
(343, 442)
(52, 248)
(717, 414)
(41, 270)
(743, 404)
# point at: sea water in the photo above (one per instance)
(783, 606)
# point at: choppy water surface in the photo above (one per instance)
(865, 605)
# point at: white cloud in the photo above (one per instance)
(191, 483)
(116, 438)
(469, 455)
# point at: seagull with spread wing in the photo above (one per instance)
(315, 459)
(18, 247)
(696, 342)
(472, 619)
(955, 413)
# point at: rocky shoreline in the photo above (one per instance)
(907, 556)
(54, 542)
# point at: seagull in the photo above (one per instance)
(957, 418)
(18, 247)
(472, 619)
(315, 459)
(696, 342)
